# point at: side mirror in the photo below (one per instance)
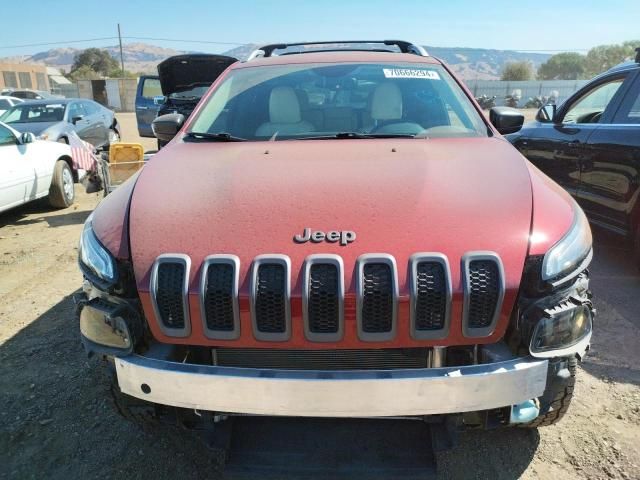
(166, 126)
(159, 100)
(547, 113)
(27, 137)
(505, 119)
(76, 119)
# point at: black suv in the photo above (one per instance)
(591, 146)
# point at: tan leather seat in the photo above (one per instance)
(386, 111)
(284, 115)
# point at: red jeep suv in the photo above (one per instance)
(338, 231)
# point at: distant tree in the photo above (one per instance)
(96, 59)
(517, 71)
(563, 66)
(603, 57)
(84, 72)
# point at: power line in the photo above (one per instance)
(185, 41)
(58, 43)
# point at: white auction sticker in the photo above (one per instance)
(410, 73)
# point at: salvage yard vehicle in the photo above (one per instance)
(341, 233)
(7, 102)
(181, 82)
(590, 145)
(31, 169)
(56, 120)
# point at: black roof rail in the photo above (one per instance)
(404, 46)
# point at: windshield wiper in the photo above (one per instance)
(214, 137)
(356, 135)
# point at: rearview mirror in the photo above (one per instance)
(506, 119)
(76, 119)
(27, 137)
(166, 126)
(547, 113)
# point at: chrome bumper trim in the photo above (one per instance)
(378, 393)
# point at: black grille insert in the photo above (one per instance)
(323, 302)
(431, 296)
(270, 298)
(170, 294)
(377, 298)
(484, 292)
(219, 297)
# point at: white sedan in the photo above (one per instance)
(32, 169)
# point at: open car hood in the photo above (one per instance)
(184, 72)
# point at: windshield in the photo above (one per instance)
(331, 100)
(28, 113)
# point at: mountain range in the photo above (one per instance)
(469, 63)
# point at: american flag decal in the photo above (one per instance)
(82, 156)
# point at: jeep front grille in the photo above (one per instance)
(169, 285)
(483, 293)
(219, 297)
(377, 297)
(430, 296)
(270, 292)
(360, 359)
(323, 298)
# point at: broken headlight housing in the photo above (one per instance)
(572, 254)
(564, 329)
(96, 262)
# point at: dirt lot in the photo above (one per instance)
(56, 420)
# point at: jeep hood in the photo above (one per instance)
(184, 72)
(400, 196)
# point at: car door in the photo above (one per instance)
(16, 176)
(97, 120)
(610, 173)
(146, 108)
(558, 147)
(77, 116)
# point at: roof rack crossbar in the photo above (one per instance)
(403, 46)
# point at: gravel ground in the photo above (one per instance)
(56, 420)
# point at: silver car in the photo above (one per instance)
(55, 119)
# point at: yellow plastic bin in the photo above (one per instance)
(125, 159)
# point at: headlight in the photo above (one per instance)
(572, 253)
(94, 257)
(561, 328)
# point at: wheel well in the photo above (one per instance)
(74, 172)
(114, 125)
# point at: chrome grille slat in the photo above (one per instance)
(219, 297)
(377, 297)
(484, 289)
(430, 279)
(168, 285)
(270, 297)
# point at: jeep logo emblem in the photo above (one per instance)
(345, 237)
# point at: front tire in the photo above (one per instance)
(556, 399)
(62, 192)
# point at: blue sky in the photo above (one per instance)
(519, 25)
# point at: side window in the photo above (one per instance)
(76, 110)
(590, 107)
(6, 137)
(151, 88)
(630, 111)
(90, 108)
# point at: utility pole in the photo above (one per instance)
(121, 55)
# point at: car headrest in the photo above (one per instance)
(284, 106)
(386, 103)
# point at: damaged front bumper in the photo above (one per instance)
(316, 393)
